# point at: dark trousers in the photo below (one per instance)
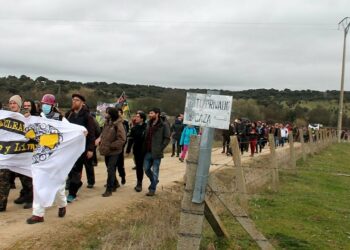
(139, 158)
(90, 171)
(74, 177)
(5, 176)
(120, 164)
(226, 140)
(12, 177)
(111, 164)
(176, 145)
(27, 188)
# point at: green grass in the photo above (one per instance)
(311, 210)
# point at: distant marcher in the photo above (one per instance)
(253, 138)
(176, 131)
(136, 140)
(241, 131)
(226, 139)
(186, 139)
(111, 143)
(157, 138)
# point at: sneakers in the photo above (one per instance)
(134, 168)
(70, 198)
(28, 205)
(61, 212)
(151, 193)
(180, 159)
(35, 219)
(90, 186)
(20, 200)
(107, 193)
(172, 155)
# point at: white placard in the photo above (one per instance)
(205, 110)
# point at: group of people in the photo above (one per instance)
(146, 140)
(254, 135)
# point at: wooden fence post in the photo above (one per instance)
(301, 133)
(293, 164)
(273, 162)
(239, 173)
(192, 214)
(311, 141)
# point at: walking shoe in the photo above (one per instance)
(70, 198)
(35, 219)
(138, 188)
(134, 168)
(61, 212)
(180, 159)
(114, 189)
(150, 193)
(20, 200)
(28, 205)
(90, 186)
(107, 193)
(2, 209)
(123, 180)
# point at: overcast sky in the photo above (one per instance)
(232, 45)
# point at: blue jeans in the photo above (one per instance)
(153, 175)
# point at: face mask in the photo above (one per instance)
(46, 109)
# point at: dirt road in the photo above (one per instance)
(13, 222)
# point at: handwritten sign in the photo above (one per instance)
(205, 110)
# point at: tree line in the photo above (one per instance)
(298, 106)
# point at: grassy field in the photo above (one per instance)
(310, 211)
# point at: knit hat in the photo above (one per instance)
(81, 97)
(17, 99)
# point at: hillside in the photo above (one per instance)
(299, 106)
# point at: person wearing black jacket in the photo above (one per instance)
(80, 115)
(156, 139)
(176, 131)
(136, 140)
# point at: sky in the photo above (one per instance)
(231, 45)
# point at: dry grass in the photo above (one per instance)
(151, 223)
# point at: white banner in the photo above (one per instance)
(42, 148)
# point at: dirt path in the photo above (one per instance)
(13, 226)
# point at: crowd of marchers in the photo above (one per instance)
(144, 136)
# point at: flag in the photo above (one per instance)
(41, 148)
(121, 99)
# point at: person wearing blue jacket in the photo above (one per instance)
(185, 140)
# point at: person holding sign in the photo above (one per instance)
(49, 111)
